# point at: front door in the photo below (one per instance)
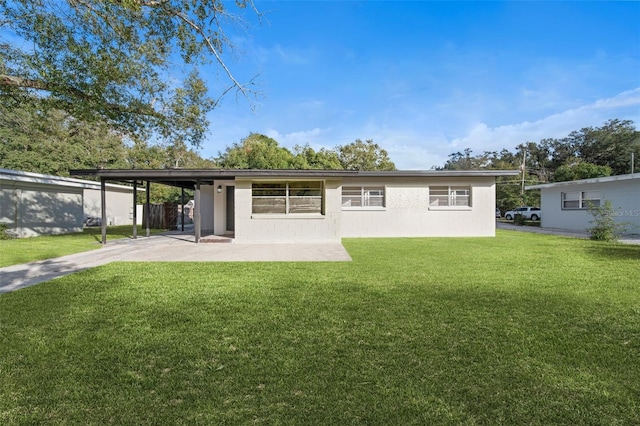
(230, 209)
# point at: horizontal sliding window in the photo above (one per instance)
(287, 198)
(581, 199)
(449, 196)
(362, 196)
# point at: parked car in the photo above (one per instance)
(529, 213)
(498, 214)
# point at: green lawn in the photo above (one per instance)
(24, 250)
(517, 329)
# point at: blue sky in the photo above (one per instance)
(425, 79)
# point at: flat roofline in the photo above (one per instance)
(604, 179)
(187, 178)
(209, 174)
(30, 177)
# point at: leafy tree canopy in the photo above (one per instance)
(361, 155)
(258, 151)
(113, 61)
(306, 157)
(52, 142)
(586, 153)
(581, 170)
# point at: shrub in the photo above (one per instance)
(518, 219)
(605, 227)
(4, 232)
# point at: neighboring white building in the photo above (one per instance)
(565, 205)
(326, 205)
(33, 204)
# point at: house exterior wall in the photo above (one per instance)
(287, 228)
(207, 214)
(219, 205)
(34, 204)
(119, 205)
(624, 196)
(31, 209)
(407, 212)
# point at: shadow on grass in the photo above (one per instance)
(614, 250)
(114, 232)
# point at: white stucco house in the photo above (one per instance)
(566, 204)
(33, 204)
(327, 205)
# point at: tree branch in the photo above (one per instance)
(26, 83)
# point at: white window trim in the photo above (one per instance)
(289, 216)
(320, 215)
(451, 208)
(581, 199)
(366, 208)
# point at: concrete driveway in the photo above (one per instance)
(168, 247)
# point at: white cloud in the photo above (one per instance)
(289, 140)
(482, 137)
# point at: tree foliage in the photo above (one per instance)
(361, 155)
(306, 157)
(581, 170)
(258, 151)
(586, 153)
(52, 142)
(114, 61)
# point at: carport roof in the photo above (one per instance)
(187, 178)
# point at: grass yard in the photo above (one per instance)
(517, 329)
(24, 250)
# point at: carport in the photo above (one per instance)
(191, 179)
(179, 178)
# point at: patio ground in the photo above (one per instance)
(168, 247)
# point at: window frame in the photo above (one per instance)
(288, 188)
(451, 197)
(580, 199)
(365, 197)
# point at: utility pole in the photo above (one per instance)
(523, 169)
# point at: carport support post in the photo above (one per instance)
(182, 209)
(196, 215)
(135, 210)
(146, 212)
(103, 203)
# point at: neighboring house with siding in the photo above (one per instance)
(565, 205)
(33, 204)
(326, 205)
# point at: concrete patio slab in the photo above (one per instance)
(168, 247)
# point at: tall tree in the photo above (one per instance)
(114, 61)
(580, 170)
(610, 145)
(366, 155)
(52, 142)
(256, 151)
(306, 157)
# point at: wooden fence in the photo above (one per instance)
(161, 216)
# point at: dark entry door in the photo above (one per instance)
(231, 225)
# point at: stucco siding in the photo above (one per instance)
(207, 213)
(119, 205)
(407, 212)
(624, 197)
(32, 209)
(292, 227)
